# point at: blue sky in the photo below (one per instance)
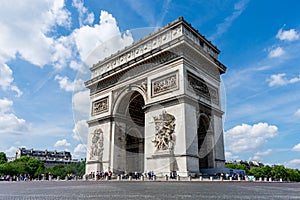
(43, 45)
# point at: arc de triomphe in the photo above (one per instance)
(155, 106)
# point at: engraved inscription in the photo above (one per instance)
(100, 106)
(165, 84)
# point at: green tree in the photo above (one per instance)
(3, 158)
(278, 171)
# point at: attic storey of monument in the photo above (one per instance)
(157, 105)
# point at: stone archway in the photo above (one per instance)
(130, 134)
(204, 142)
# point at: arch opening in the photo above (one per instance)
(130, 135)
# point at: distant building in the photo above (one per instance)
(50, 158)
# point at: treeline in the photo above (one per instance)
(35, 168)
(276, 171)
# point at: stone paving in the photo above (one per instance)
(73, 190)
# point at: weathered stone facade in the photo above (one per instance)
(157, 104)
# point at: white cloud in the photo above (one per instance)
(11, 151)
(230, 156)
(62, 143)
(69, 86)
(258, 154)
(280, 79)
(277, 52)
(32, 42)
(294, 164)
(289, 35)
(297, 113)
(84, 16)
(296, 147)
(87, 38)
(6, 80)
(9, 122)
(249, 138)
(81, 104)
(80, 148)
(80, 131)
(239, 8)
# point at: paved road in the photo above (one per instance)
(73, 190)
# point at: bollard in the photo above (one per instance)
(189, 178)
(166, 177)
(130, 178)
(254, 179)
(107, 178)
(265, 179)
(280, 179)
(221, 178)
(260, 179)
(58, 178)
(66, 178)
(270, 179)
(239, 178)
(211, 178)
(118, 177)
(178, 178)
(142, 178)
(201, 178)
(154, 178)
(230, 178)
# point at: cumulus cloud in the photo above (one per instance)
(259, 154)
(294, 164)
(11, 151)
(80, 131)
(230, 156)
(69, 86)
(80, 148)
(31, 42)
(6, 80)
(84, 16)
(289, 35)
(62, 143)
(277, 52)
(297, 113)
(81, 104)
(9, 122)
(87, 38)
(296, 147)
(280, 79)
(249, 138)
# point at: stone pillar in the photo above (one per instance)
(178, 178)
(189, 178)
(142, 178)
(211, 178)
(270, 179)
(280, 180)
(201, 178)
(130, 178)
(166, 177)
(230, 178)
(260, 179)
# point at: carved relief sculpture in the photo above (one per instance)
(97, 145)
(100, 106)
(165, 84)
(164, 138)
